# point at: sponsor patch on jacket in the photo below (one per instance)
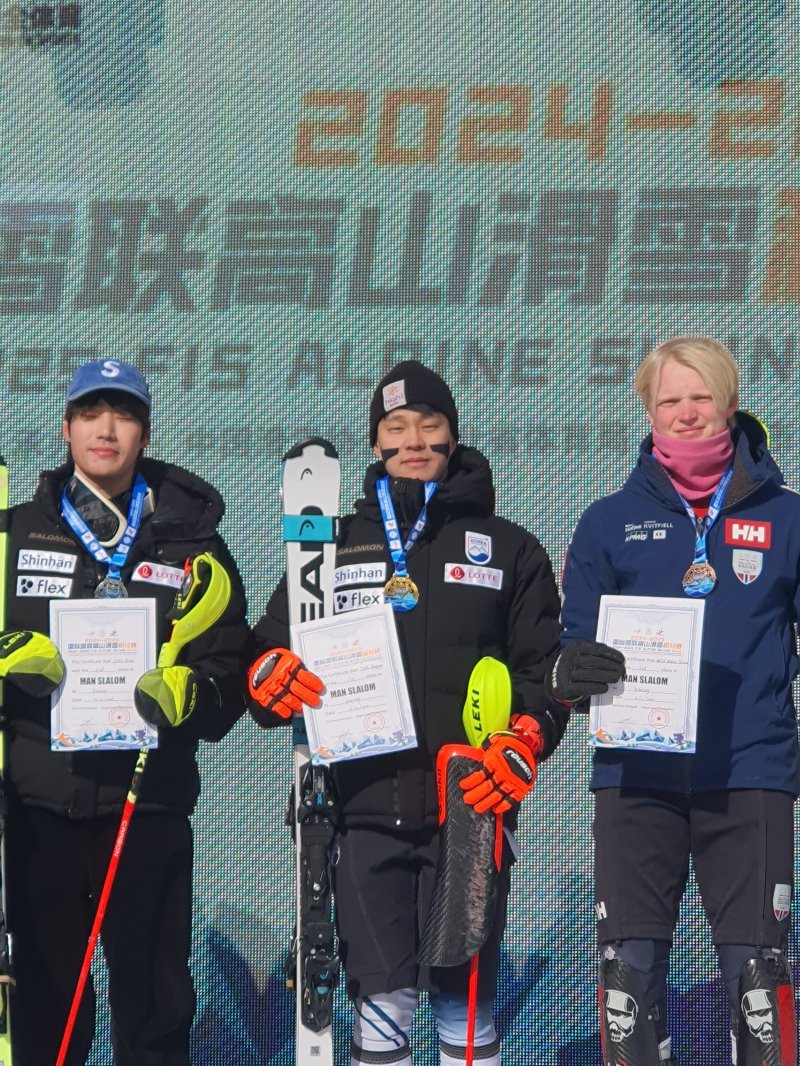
(159, 574)
(52, 538)
(353, 599)
(782, 901)
(35, 559)
(485, 577)
(477, 548)
(53, 588)
(639, 531)
(747, 565)
(360, 549)
(748, 534)
(394, 395)
(359, 574)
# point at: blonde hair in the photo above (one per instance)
(710, 359)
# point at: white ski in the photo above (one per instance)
(310, 489)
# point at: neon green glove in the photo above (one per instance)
(167, 696)
(31, 661)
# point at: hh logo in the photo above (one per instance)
(753, 534)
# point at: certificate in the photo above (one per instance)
(106, 646)
(365, 708)
(654, 707)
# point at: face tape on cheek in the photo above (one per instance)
(442, 449)
(388, 453)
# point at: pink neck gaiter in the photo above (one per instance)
(695, 467)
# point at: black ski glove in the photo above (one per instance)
(584, 668)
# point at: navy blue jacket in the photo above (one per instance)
(747, 733)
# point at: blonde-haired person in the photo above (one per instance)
(705, 356)
(713, 519)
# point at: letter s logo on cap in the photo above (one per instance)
(110, 369)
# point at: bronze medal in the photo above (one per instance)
(699, 579)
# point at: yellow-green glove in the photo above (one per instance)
(167, 696)
(31, 661)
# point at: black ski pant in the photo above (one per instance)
(56, 868)
(383, 884)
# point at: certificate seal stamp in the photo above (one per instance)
(658, 717)
(119, 716)
(374, 722)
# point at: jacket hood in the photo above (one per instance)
(467, 489)
(190, 505)
(753, 465)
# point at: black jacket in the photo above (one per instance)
(455, 623)
(184, 523)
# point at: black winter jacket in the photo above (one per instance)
(46, 560)
(506, 607)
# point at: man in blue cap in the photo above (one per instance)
(109, 523)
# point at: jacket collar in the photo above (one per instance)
(753, 465)
(467, 489)
(184, 503)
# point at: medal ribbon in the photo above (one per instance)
(703, 526)
(90, 542)
(397, 549)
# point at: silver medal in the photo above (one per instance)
(111, 588)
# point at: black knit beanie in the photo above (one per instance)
(406, 384)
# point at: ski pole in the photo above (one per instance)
(472, 1005)
(487, 709)
(204, 595)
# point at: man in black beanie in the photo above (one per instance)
(464, 584)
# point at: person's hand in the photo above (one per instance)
(279, 682)
(31, 661)
(167, 696)
(506, 776)
(584, 668)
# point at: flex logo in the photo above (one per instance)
(354, 599)
(740, 532)
(53, 588)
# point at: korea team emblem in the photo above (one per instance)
(478, 548)
(747, 565)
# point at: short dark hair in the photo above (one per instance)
(116, 400)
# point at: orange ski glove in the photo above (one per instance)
(279, 682)
(508, 772)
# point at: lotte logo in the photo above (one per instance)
(754, 534)
(145, 571)
(458, 573)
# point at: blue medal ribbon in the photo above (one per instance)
(400, 590)
(89, 541)
(700, 578)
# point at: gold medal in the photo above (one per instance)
(401, 592)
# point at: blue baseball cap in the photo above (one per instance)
(108, 375)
